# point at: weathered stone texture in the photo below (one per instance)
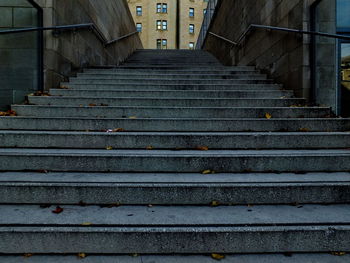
(284, 56)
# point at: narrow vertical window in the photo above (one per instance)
(139, 27)
(191, 12)
(165, 8)
(164, 44)
(165, 25)
(191, 29)
(139, 10)
(159, 8)
(159, 44)
(159, 25)
(191, 45)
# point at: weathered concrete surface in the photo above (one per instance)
(221, 161)
(261, 258)
(175, 125)
(181, 240)
(170, 112)
(173, 189)
(173, 140)
(285, 57)
(69, 52)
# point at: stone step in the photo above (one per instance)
(165, 102)
(170, 81)
(118, 71)
(173, 189)
(208, 70)
(169, 112)
(123, 86)
(252, 258)
(186, 161)
(172, 140)
(171, 76)
(181, 67)
(172, 93)
(174, 125)
(140, 229)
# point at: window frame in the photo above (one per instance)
(191, 12)
(191, 29)
(139, 11)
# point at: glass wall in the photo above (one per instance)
(331, 69)
(20, 54)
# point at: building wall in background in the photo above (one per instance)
(178, 19)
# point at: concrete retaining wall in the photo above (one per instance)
(285, 57)
(69, 52)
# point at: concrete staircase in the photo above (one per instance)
(174, 154)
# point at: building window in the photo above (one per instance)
(162, 8)
(162, 43)
(162, 25)
(204, 11)
(191, 45)
(139, 27)
(139, 10)
(191, 12)
(191, 29)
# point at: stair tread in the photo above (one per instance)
(173, 153)
(174, 178)
(241, 258)
(176, 216)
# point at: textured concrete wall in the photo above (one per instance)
(69, 52)
(285, 57)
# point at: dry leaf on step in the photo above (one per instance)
(268, 116)
(58, 210)
(217, 256)
(81, 255)
(202, 148)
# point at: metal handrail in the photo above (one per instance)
(283, 29)
(56, 29)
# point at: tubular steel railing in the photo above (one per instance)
(282, 29)
(57, 29)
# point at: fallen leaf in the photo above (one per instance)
(27, 255)
(109, 148)
(43, 171)
(86, 224)
(217, 256)
(304, 129)
(41, 94)
(338, 254)
(132, 117)
(81, 105)
(150, 205)
(9, 113)
(208, 172)
(150, 147)
(202, 148)
(268, 116)
(58, 210)
(64, 87)
(214, 203)
(134, 255)
(92, 105)
(81, 255)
